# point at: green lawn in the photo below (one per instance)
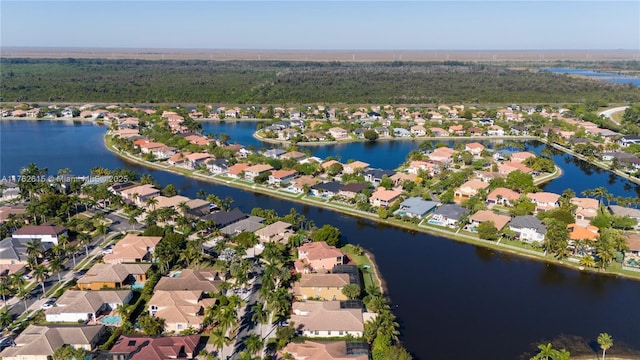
(520, 244)
(361, 261)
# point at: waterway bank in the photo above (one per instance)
(423, 227)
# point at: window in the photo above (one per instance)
(316, 332)
(329, 333)
(179, 326)
(341, 333)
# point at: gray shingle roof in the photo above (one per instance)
(528, 222)
(451, 211)
(417, 206)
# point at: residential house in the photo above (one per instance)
(416, 207)
(225, 218)
(474, 148)
(384, 197)
(528, 228)
(207, 281)
(399, 178)
(279, 231)
(401, 132)
(252, 172)
(448, 215)
(139, 194)
(577, 232)
(146, 146)
(180, 309)
(44, 233)
(179, 159)
(113, 276)
(300, 184)
(133, 248)
(162, 202)
(469, 189)
(499, 221)
(374, 176)
(13, 254)
(618, 210)
(627, 140)
(354, 166)
(475, 131)
(633, 241)
(78, 305)
(281, 177)
(163, 152)
(325, 165)
(418, 130)
(495, 130)
(196, 160)
(510, 166)
(586, 210)
(544, 200)
(250, 224)
(236, 171)
(274, 153)
(502, 154)
(442, 155)
(430, 167)
(326, 189)
(294, 155)
(338, 133)
(314, 319)
(382, 131)
(217, 166)
(138, 347)
(318, 257)
(198, 140)
(521, 156)
(321, 286)
(439, 132)
(334, 350)
(457, 130)
(350, 191)
(502, 196)
(38, 342)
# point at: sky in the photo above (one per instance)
(323, 25)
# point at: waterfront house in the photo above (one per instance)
(146, 146)
(279, 231)
(198, 140)
(577, 232)
(384, 197)
(457, 130)
(139, 194)
(521, 156)
(252, 172)
(113, 276)
(196, 160)
(469, 189)
(334, 350)
(442, 155)
(300, 184)
(586, 210)
(326, 319)
(281, 177)
(236, 171)
(350, 191)
(418, 130)
(38, 342)
(401, 132)
(294, 155)
(475, 131)
(355, 166)
(167, 202)
(78, 305)
(225, 218)
(431, 167)
(328, 164)
(544, 200)
(338, 133)
(217, 166)
(633, 241)
(510, 166)
(528, 228)
(138, 347)
(163, 152)
(318, 257)
(448, 215)
(327, 189)
(495, 130)
(180, 309)
(622, 211)
(627, 140)
(178, 159)
(250, 224)
(44, 233)
(416, 207)
(321, 286)
(502, 196)
(438, 132)
(133, 248)
(499, 221)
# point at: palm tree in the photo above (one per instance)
(151, 203)
(56, 265)
(40, 273)
(587, 261)
(219, 340)
(260, 315)
(73, 250)
(33, 251)
(102, 229)
(5, 317)
(63, 240)
(546, 351)
(5, 288)
(605, 341)
(85, 240)
(253, 343)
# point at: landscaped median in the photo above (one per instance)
(470, 238)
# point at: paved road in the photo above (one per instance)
(608, 113)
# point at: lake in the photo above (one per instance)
(453, 300)
(616, 78)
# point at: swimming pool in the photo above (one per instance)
(111, 320)
(137, 286)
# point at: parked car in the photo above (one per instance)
(48, 304)
(26, 277)
(107, 250)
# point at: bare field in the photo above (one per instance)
(323, 55)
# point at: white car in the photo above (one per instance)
(26, 277)
(107, 250)
(47, 305)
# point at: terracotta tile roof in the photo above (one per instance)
(132, 247)
(577, 232)
(326, 316)
(326, 164)
(156, 348)
(113, 272)
(312, 350)
(386, 195)
(487, 215)
(258, 168)
(141, 190)
(318, 250)
(42, 340)
(544, 197)
(586, 203)
(522, 156)
(280, 174)
(40, 230)
(324, 280)
(633, 240)
(357, 165)
(504, 193)
(474, 145)
(237, 168)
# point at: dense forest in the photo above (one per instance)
(286, 82)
